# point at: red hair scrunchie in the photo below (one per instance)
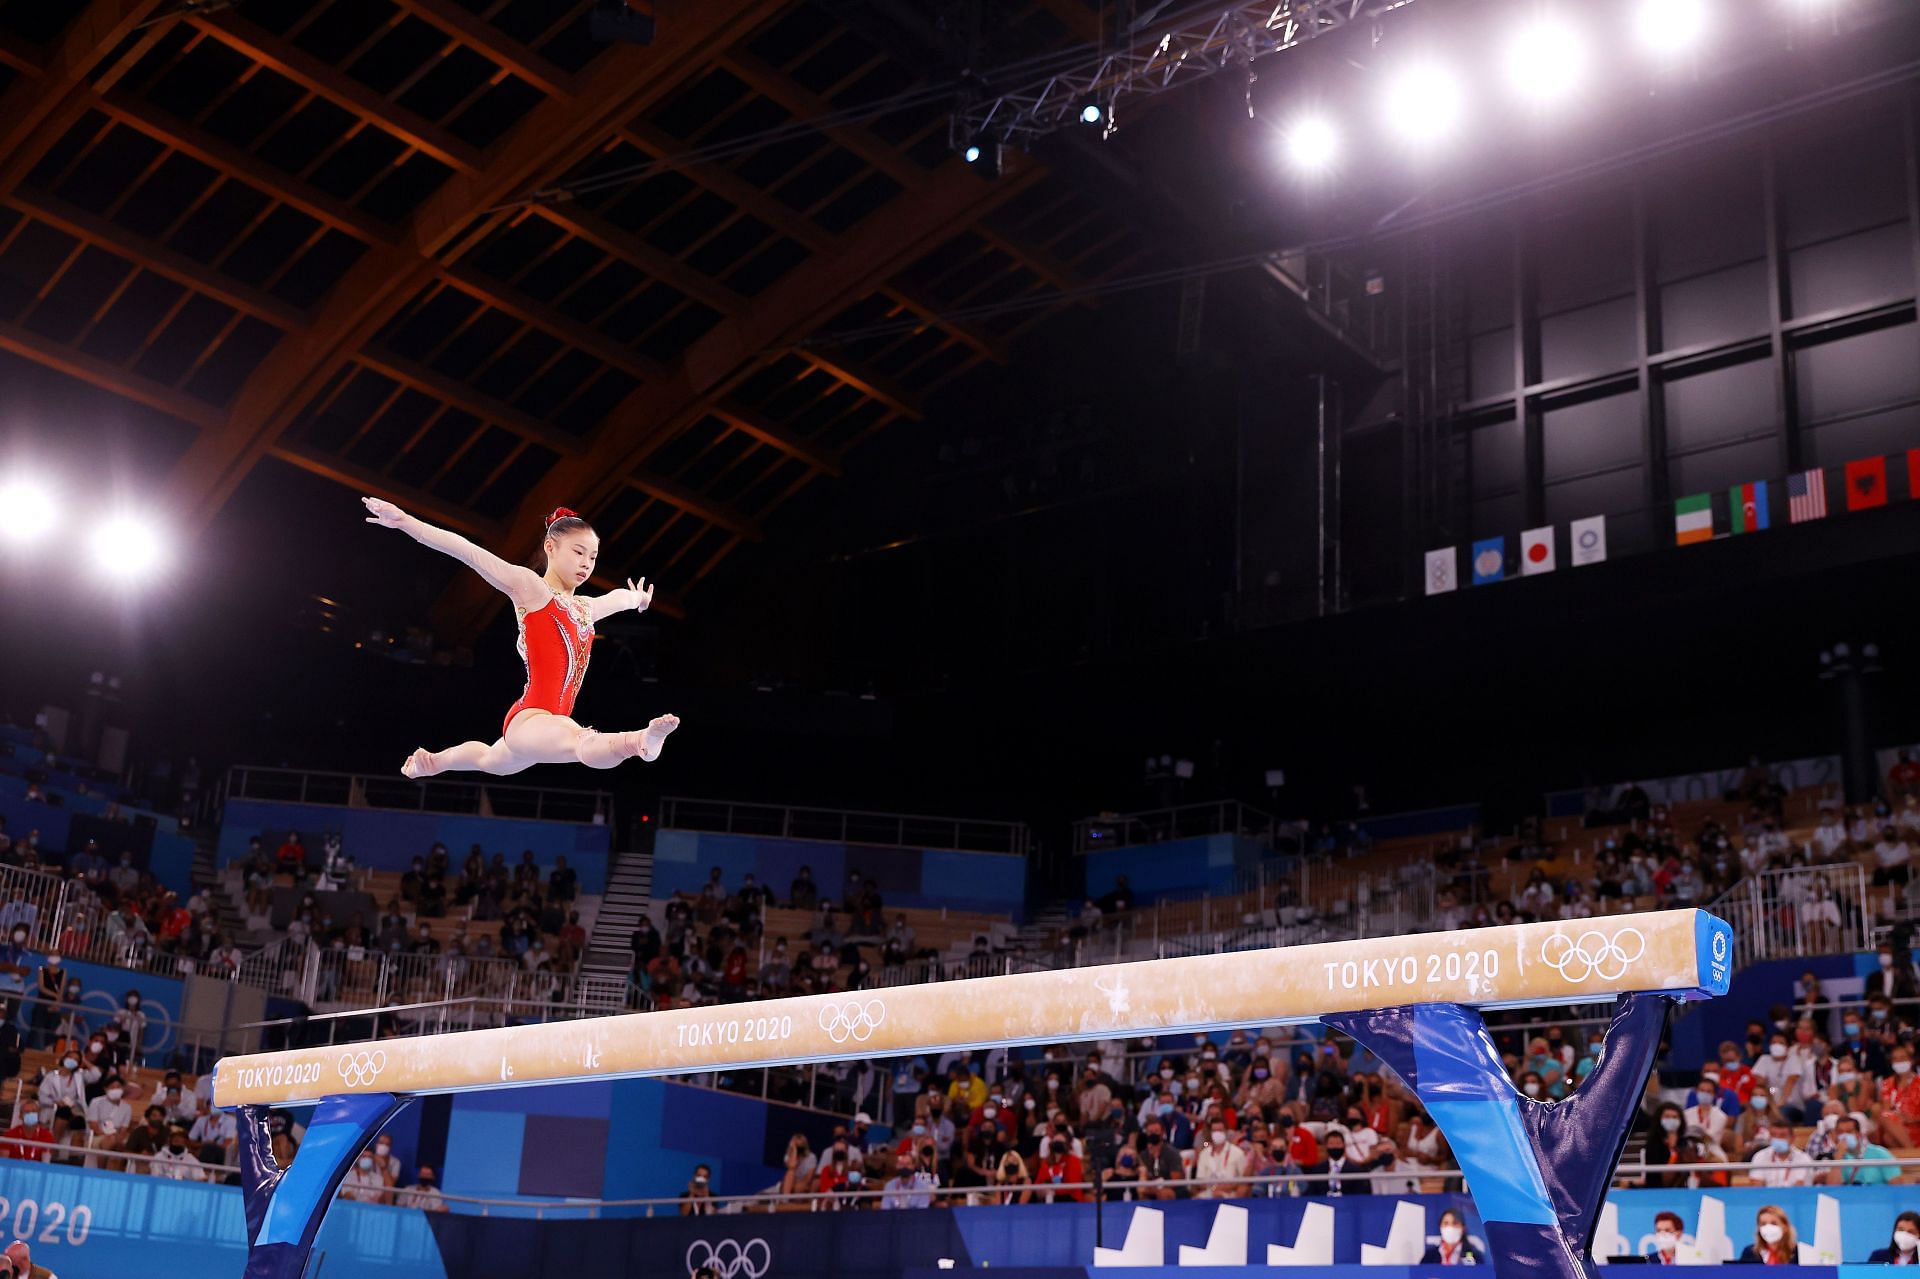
(561, 513)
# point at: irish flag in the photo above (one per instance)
(1747, 505)
(1693, 519)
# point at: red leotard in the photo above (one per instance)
(555, 644)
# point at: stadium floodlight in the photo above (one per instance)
(1671, 28)
(1425, 102)
(127, 547)
(27, 508)
(1546, 60)
(1311, 144)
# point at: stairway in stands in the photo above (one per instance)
(208, 883)
(603, 969)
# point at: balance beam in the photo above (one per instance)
(1681, 953)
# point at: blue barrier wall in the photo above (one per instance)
(995, 883)
(1208, 863)
(82, 1223)
(386, 840)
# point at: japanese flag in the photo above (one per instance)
(1536, 551)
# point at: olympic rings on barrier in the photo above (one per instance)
(852, 1020)
(1593, 954)
(358, 1069)
(731, 1258)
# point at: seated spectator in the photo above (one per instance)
(1852, 1152)
(1667, 1230)
(1015, 1184)
(1894, 976)
(423, 1194)
(1900, 1249)
(215, 1135)
(29, 1128)
(1830, 836)
(365, 1183)
(803, 893)
(177, 1163)
(1060, 1166)
(291, 859)
(1453, 1248)
(800, 1164)
(1891, 857)
(1336, 1171)
(1221, 1166)
(1773, 1242)
(1778, 1163)
(1787, 1074)
(1743, 1137)
(109, 1118)
(1899, 1109)
(912, 1184)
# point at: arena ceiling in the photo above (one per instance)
(301, 230)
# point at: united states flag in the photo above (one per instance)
(1807, 496)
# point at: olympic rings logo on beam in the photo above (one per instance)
(1593, 954)
(852, 1020)
(361, 1068)
(730, 1258)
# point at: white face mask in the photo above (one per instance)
(1532, 1088)
(1902, 1067)
(1776, 1051)
(1665, 1240)
(1451, 1234)
(1771, 1232)
(1905, 1240)
(1219, 1138)
(1758, 1103)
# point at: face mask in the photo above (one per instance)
(114, 1094)
(1849, 1140)
(920, 1130)
(1771, 1233)
(1780, 1145)
(1844, 1076)
(1878, 1014)
(71, 1063)
(1259, 1074)
(1336, 1153)
(1853, 1030)
(1219, 1138)
(1166, 1108)
(1053, 1085)
(1776, 1051)
(1030, 1103)
(1594, 1047)
(30, 1117)
(1451, 1234)
(1532, 1088)
(1758, 1103)
(1905, 1240)
(178, 1148)
(1166, 1072)
(1670, 1123)
(1902, 1067)
(366, 1162)
(1706, 1096)
(853, 1178)
(989, 1112)
(1886, 961)
(1665, 1240)
(97, 1045)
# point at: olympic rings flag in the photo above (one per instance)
(1678, 952)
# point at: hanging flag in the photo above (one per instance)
(1807, 496)
(1913, 473)
(1442, 575)
(1536, 551)
(1589, 540)
(1693, 519)
(1747, 507)
(1866, 483)
(1489, 560)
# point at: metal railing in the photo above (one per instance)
(1798, 912)
(844, 826)
(435, 795)
(1187, 821)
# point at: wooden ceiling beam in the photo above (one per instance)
(618, 242)
(361, 479)
(108, 376)
(826, 461)
(158, 258)
(450, 390)
(336, 86)
(676, 494)
(504, 297)
(493, 44)
(553, 138)
(873, 385)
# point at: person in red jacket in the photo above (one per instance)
(1062, 1167)
(30, 1128)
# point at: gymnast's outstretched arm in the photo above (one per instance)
(520, 584)
(635, 595)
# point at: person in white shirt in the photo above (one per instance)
(1781, 1163)
(1705, 1114)
(174, 1161)
(63, 1090)
(423, 1194)
(216, 1128)
(1219, 1165)
(385, 1161)
(364, 1182)
(1830, 836)
(109, 1118)
(1891, 857)
(1786, 1074)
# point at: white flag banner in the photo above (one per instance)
(1589, 540)
(1443, 570)
(1536, 551)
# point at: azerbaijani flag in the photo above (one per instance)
(1747, 505)
(1693, 519)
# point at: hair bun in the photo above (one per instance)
(562, 513)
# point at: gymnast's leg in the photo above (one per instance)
(604, 750)
(472, 757)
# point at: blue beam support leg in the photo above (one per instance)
(1538, 1170)
(285, 1206)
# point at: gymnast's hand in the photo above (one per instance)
(385, 514)
(642, 594)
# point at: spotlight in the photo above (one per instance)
(26, 510)
(972, 153)
(1091, 113)
(126, 547)
(1311, 144)
(983, 154)
(1669, 28)
(1547, 61)
(1425, 103)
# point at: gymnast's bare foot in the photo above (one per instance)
(656, 736)
(419, 764)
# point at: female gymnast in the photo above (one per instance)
(556, 634)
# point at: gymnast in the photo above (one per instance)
(556, 635)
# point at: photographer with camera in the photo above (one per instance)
(697, 1199)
